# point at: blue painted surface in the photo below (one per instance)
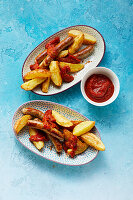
(23, 175)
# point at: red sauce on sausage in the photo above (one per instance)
(99, 88)
(70, 59)
(49, 120)
(54, 42)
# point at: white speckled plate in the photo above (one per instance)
(23, 136)
(95, 58)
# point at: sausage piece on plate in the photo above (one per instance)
(84, 53)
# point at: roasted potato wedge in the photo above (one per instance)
(21, 123)
(37, 73)
(73, 67)
(61, 120)
(63, 54)
(83, 127)
(40, 144)
(31, 84)
(81, 146)
(93, 141)
(75, 123)
(45, 85)
(55, 73)
(88, 39)
(78, 40)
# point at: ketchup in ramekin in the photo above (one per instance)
(99, 88)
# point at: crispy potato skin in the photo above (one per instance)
(81, 146)
(83, 128)
(37, 73)
(63, 54)
(55, 73)
(88, 39)
(73, 67)
(61, 120)
(45, 85)
(93, 141)
(78, 40)
(21, 123)
(40, 144)
(31, 84)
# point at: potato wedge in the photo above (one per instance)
(30, 85)
(21, 123)
(93, 141)
(73, 67)
(75, 123)
(37, 73)
(63, 54)
(81, 146)
(55, 73)
(45, 85)
(88, 39)
(61, 120)
(78, 40)
(83, 127)
(40, 144)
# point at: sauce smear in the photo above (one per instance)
(99, 88)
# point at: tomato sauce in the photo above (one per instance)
(39, 136)
(49, 120)
(99, 88)
(66, 77)
(71, 144)
(70, 59)
(53, 42)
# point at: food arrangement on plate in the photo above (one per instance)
(58, 60)
(72, 136)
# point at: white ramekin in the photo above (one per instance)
(111, 75)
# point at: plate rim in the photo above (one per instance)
(52, 36)
(42, 155)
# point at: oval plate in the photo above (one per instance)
(95, 58)
(46, 152)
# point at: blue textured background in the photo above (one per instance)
(23, 175)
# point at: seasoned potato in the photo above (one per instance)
(93, 141)
(30, 85)
(40, 144)
(78, 40)
(81, 146)
(88, 39)
(73, 67)
(63, 54)
(83, 127)
(45, 85)
(75, 123)
(37, 73)
(21, 122)
(61, 120)
(55, 73)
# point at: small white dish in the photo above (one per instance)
(111, 75)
